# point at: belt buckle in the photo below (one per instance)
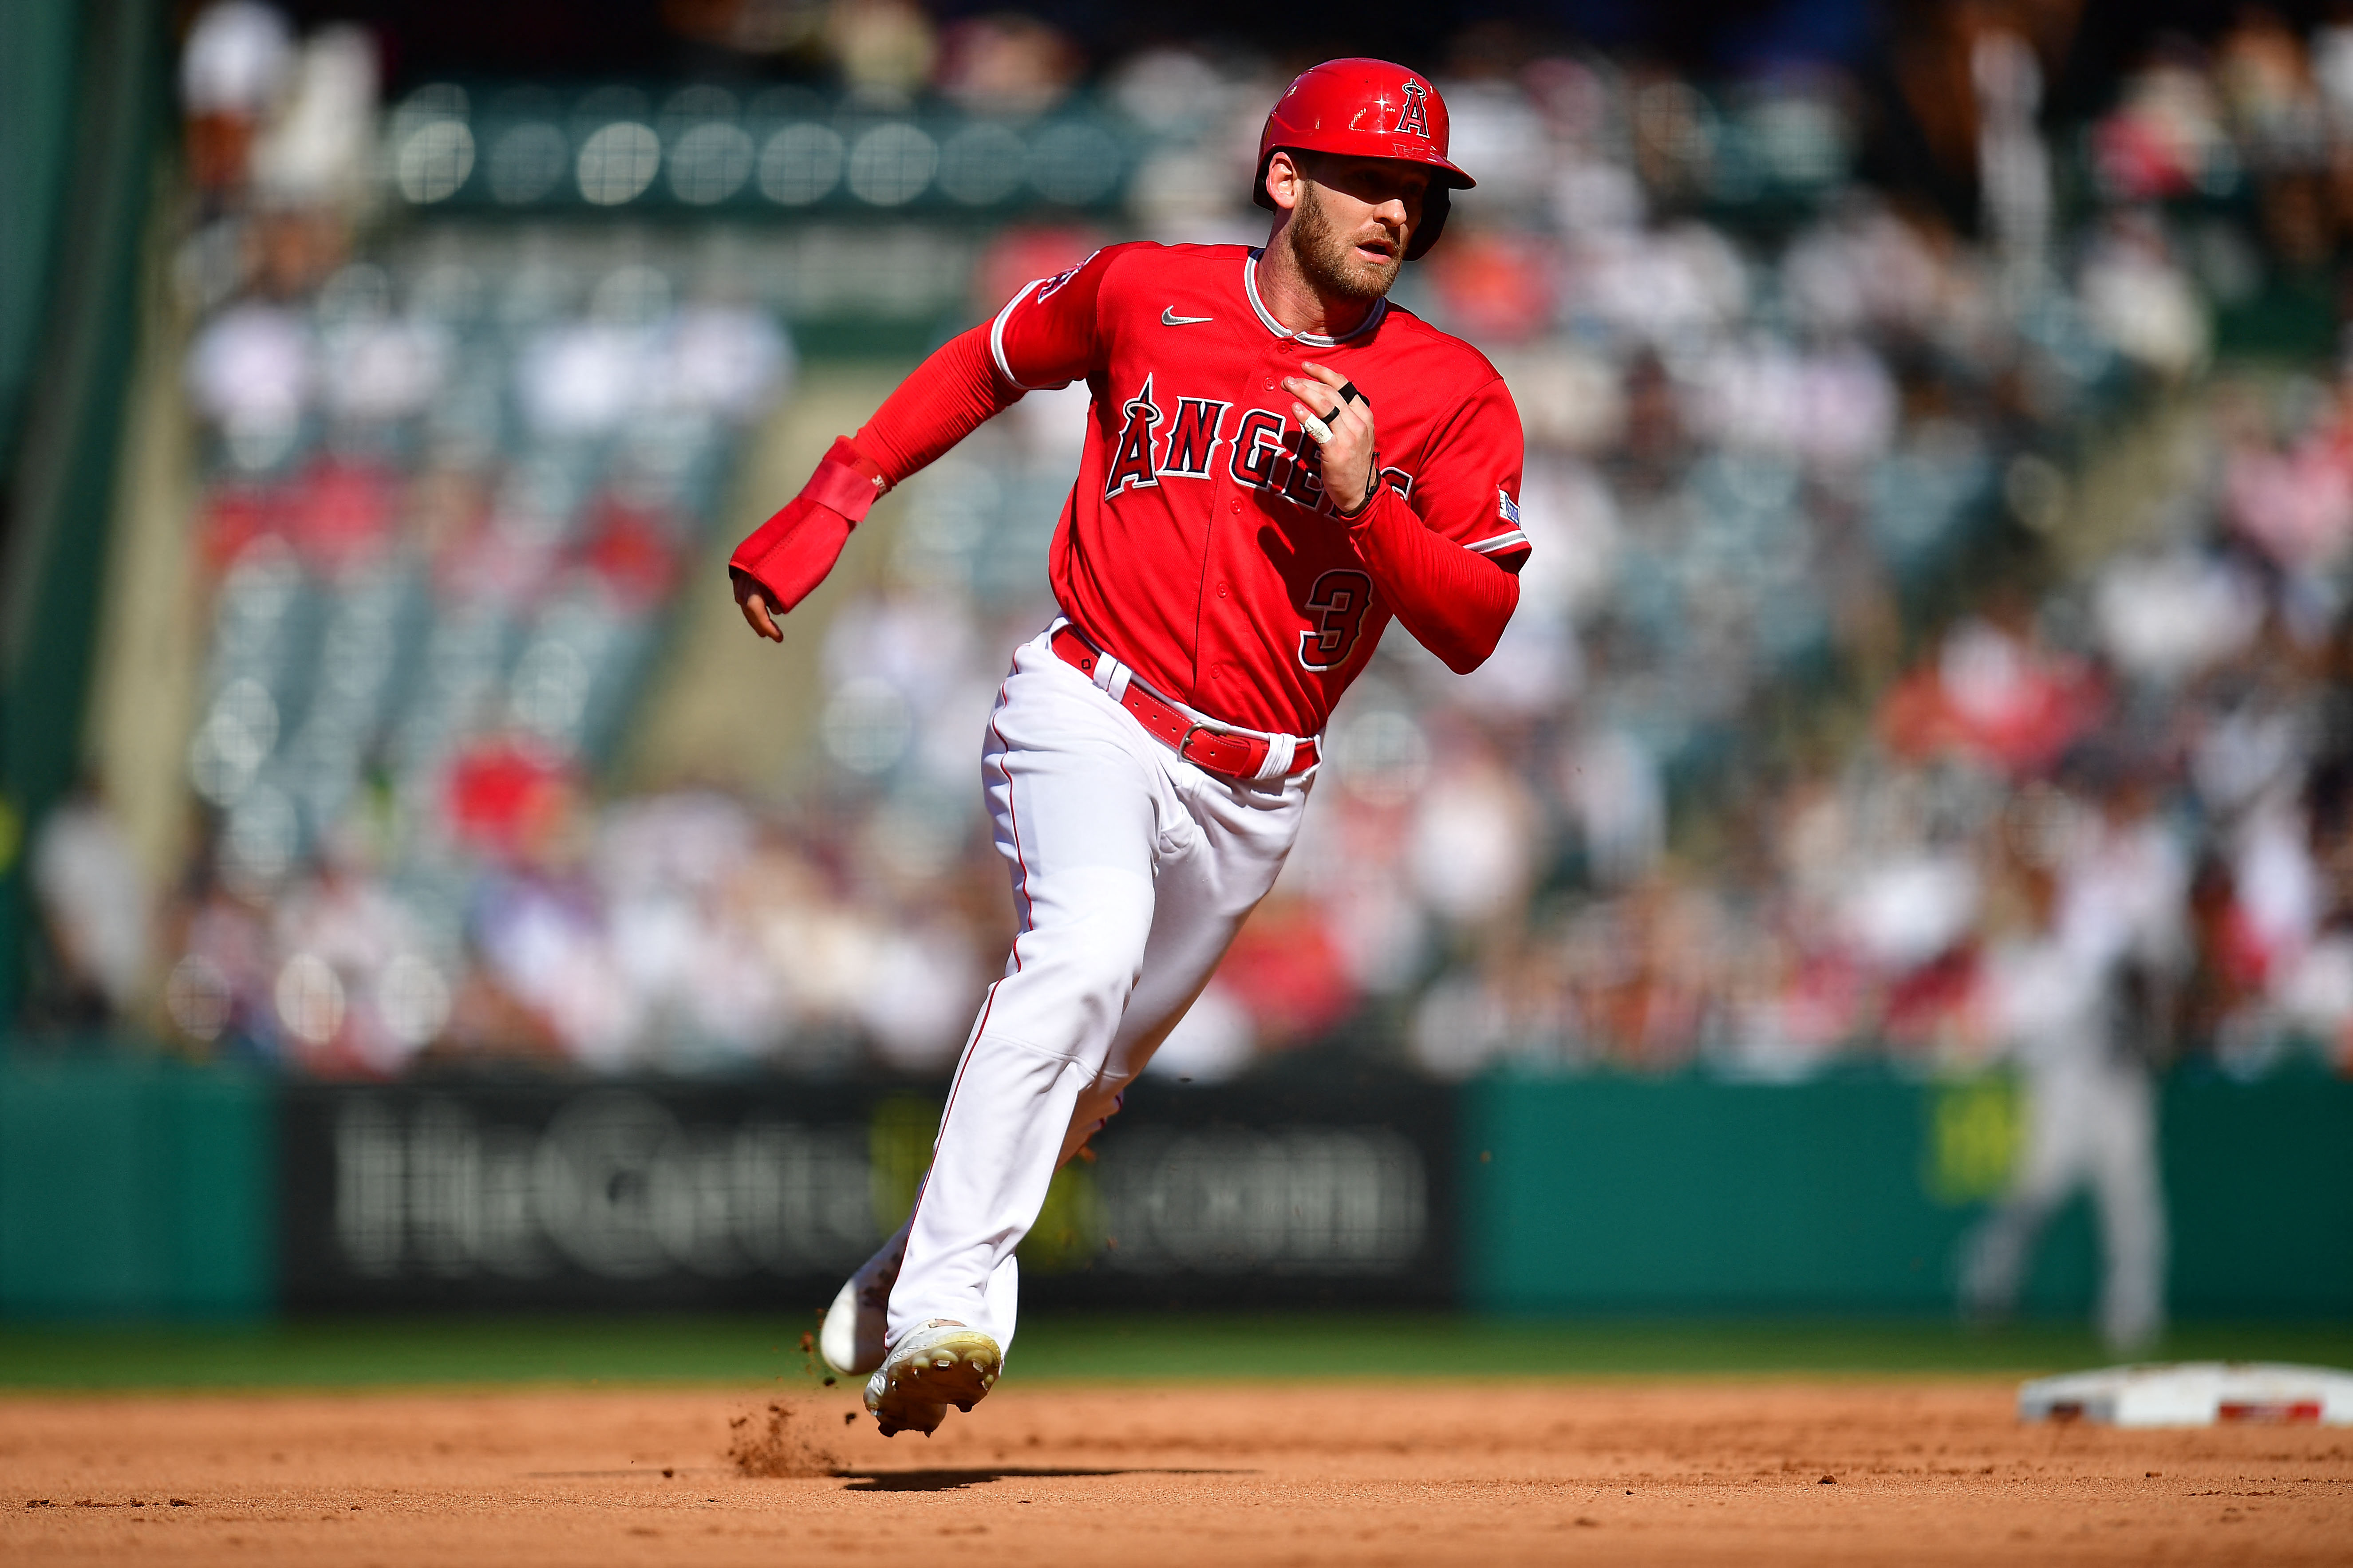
(1197, 727)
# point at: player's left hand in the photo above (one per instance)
(1332, 401)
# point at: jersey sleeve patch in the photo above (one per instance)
(1049, 327)
(1507, 511)
(1053, 286)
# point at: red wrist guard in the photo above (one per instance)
(792, 552)
(846, 480)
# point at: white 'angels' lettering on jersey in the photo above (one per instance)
(1258, 446)
(1268, 453)
(1132, 464)
(1193, 439)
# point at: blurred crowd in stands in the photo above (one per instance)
(1902, 600)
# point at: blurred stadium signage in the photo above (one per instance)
(762, 1196)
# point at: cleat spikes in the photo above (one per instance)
(931, 1368)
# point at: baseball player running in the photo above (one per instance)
(1278, 463)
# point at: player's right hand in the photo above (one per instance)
(790, 554)
(753, 602)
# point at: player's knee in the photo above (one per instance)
(1075, 966)
(1095, 929)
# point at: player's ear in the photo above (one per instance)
(1283, 178)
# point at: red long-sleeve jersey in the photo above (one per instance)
(1197, 544)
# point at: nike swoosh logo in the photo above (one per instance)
(1169, 317)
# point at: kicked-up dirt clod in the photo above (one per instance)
(773, 1444)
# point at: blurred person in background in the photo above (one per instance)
(2078, 981)
(98, 912)
(233, 68)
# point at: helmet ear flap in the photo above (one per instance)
(1435, 206)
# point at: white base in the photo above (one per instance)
(2194, 1394)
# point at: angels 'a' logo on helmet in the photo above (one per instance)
(1416, 117)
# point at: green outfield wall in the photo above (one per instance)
(1624, 1196)
(136, 1188)
(85, 97)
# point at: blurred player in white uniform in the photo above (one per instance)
(2077, 1001)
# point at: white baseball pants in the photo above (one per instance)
(1131, 872)
(2089, 1124)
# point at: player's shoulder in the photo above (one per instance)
(1438, 351)
(1144, 258)
(1140, 276)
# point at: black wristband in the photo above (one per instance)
(1372, 488)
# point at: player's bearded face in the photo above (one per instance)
(1345, 245)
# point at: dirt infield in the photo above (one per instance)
(1754, 1472)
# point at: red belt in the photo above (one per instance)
(1238, 756)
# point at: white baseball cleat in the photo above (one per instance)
(850, 1337)
(931, 1368)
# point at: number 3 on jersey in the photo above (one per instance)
(1337, 605)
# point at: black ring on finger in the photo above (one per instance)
(1348, 392)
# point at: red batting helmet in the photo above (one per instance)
(1367, 109)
